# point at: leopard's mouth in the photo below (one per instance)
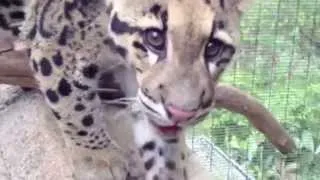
(163, 120)
(167, 130)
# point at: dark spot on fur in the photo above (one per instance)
(45, 67)
(64, 87)
(52, 96)
(3, 22)
(78, 85)
(67, 132)
(43, 32)
(220, 25)
(35, 65)
(160, 152)
(164, 19)
(90, 71)
(81, 24)
(91, 96)
(138, 45)
(70, 124)
(68, 7)
(185, 175)
(56, 114)
(130, 177)
(79, 107)
(149, 146)
(171, 141)
(83, 35)
(57, 59)
(17, 15)
(155, 177)
(32, 32)
(207, 1)
(171, 165)
(183, 156)
(15, 31)
(121, 51)
(149, 163)
(82, 133)
(29, 52)
(65, 34)
(87, 120)
(78, 144)
(140, 152)
(17, 2)
(222, 4)
(91, 141)
(155, 9)
(85, 2)
(121, 27)
(5, 3)
(115, 48)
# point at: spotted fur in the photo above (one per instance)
(82, 51)
(11, 15)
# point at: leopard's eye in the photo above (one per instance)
(213, 48)
(155, 39)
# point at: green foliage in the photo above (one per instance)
(279, 63)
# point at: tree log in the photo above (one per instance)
(14, 70)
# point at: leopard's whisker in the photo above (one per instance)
(116, 103)
(106, 90)
(148, 111)
(124, 100)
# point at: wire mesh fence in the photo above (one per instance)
(278, 63)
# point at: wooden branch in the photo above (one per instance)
(235, 100)
(14, 69)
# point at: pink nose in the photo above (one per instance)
(179, 114)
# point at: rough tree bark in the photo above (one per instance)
(14, 70)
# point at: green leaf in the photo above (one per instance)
(234, 143)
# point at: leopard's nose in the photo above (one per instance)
(178, 114)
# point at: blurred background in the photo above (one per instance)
(278, 63)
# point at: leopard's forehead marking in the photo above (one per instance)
(190, 24)
(186, 14)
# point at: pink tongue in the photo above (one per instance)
(169, 129)
(179, 114)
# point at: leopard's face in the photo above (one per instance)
(179, 49)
